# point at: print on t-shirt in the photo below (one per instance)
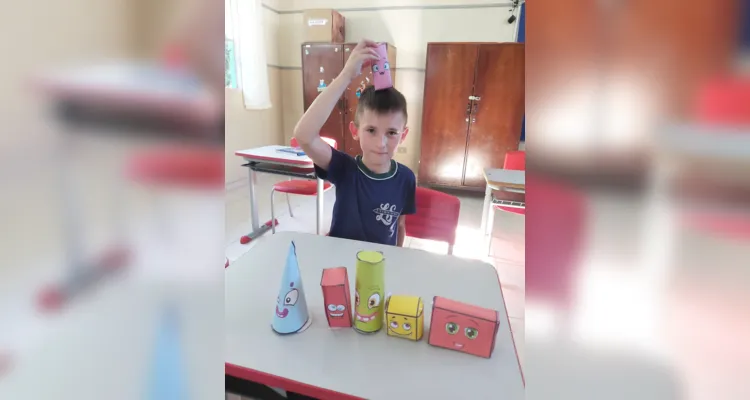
(388, 215)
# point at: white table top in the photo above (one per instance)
(103, 346)
(498, 177)
(146, 78)
(347, 362)
(700, 141)
(272, 154)
(133, 84)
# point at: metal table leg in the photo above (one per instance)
(253, 200)
(486, 208)
(319, 201)
(257, 229)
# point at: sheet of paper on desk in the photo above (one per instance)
(292, 150)
(291, 315)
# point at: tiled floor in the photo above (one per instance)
(507, 244)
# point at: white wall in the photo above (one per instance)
(408, 29)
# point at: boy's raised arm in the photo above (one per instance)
(308, 128)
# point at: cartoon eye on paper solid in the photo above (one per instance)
(290, 299)
(374, 301)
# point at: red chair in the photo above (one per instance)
(723, 101)
(436, 217)
(300, 187)
(196, 168)
(555, 241)
(514, 160)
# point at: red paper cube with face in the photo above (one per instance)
(463, 327)
(336, 297)
(381, 69)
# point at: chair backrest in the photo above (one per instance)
(515, 160)
(436, 217)
(331, 142)
(556, 231)
(724, 101)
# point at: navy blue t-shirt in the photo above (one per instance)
(368, 204)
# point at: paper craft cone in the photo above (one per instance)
(291, 314)
(369, 292)
(167, 379)
(381, 69)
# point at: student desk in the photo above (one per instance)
(121, 99)
(508, 180)
(269, 159)
(343, 364)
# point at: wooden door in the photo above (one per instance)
(321, 64)
(497, 109)
(449, 80)
(351, 100)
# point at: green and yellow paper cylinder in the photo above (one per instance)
(369, 294)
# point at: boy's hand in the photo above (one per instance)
(364, 53)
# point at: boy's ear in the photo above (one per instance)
(353, 129)
(403, 135)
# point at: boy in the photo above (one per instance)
(374, 193)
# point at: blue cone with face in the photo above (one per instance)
(291, 308)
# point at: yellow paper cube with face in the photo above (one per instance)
(404, 317)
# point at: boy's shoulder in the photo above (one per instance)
(409, 174)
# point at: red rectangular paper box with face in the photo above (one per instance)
(381, 69)
(463, 327)
(336, 297)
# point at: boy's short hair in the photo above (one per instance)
(381, 101)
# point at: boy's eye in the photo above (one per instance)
(371, 130)
(393, 133)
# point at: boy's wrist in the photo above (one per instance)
(345, 76)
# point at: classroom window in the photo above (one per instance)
(230, 65)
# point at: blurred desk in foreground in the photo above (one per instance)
(112, 345)
(127, 99)
(138, 97)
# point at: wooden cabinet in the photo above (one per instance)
(321, 64)
(603, 81)
(473, 111)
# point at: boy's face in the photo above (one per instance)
(379, 134)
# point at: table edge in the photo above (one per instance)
(246, 373)
(499, 184)
(267, 379)
(250, 157)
